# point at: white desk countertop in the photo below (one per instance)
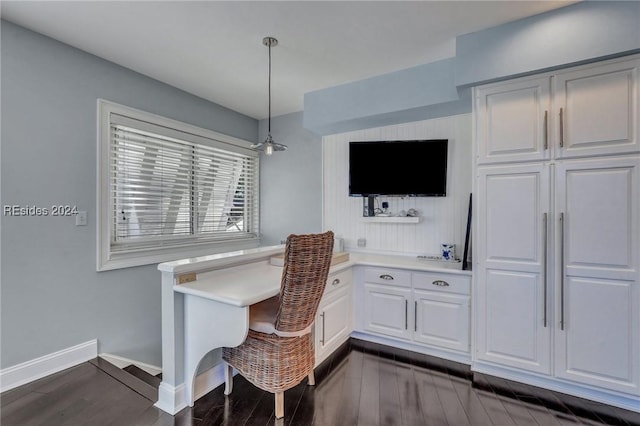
(241, 285)
(249, 283)
(407, 262)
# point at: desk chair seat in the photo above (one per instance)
(278, 352)
(263, 315)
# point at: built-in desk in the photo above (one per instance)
(208, 313)
(213, 310)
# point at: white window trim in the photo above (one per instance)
(108, 260)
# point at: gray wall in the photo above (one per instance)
(290, 181)
(51, 296)
(417, 93)
(578, 33)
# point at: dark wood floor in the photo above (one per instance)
(361, 384)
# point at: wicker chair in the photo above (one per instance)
(278, 351)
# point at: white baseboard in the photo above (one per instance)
(26, 372)
(173, 399)
(209, 380)
(617, 399)
(461, 357)
(122, 362)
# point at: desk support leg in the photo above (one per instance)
(209, 325)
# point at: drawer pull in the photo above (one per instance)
(440, 283)
(386, 277)
(336, 281)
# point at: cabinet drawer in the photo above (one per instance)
(393, 277)
(338, 280)
(449, 283)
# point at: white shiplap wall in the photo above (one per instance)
(443, 219)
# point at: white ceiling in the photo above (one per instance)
(213, 49)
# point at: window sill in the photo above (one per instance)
(113, 261)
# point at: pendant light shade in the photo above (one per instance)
(269, 146)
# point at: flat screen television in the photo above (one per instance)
(413, 168)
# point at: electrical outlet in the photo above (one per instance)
(362, 242)
(187, 278)
(81, 218)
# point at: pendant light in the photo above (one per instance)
(268, 146)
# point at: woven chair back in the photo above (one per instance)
(307, 259)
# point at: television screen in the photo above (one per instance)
(415, 168)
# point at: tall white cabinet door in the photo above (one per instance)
(598, 320)
(512, 121)
(512, 315)
(596, 110)
(388, 310)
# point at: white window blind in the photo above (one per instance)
(168, 187)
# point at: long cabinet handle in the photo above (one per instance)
(415, 315)
(406, 314)
(544, 268)
(561, 128)
(322, 340)
(561, 271)
(546, 130)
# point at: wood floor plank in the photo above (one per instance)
(432, 409)
(263, 412)
(494, 408)
(408, 395)
(471, 403)
(369, 412)
(390, 407)
(349, 408)
(329, 397)
(453, 409)
(358, 386)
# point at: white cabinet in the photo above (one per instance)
(441, 306)
(430, 309)
(387, 296)
(334, 323)
(584, 111)
(387, 310)
(598, 314)
(524, 135)
(511, 306)
(596, 109)
(558, 233)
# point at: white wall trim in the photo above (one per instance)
(616, 399)
(122, 362)
(37, 368)
(462, 358)
(173, 399)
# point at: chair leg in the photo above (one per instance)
(228, 379)
(312, 378)
(279, 405)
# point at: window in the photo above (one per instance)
(170, 190)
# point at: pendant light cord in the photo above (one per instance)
(269, 87)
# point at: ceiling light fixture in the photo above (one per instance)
(268, 146)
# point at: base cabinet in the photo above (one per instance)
(387, 310)
(334, 323)
(425, 308)
(441, 320)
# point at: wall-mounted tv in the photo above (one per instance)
(413, 168)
